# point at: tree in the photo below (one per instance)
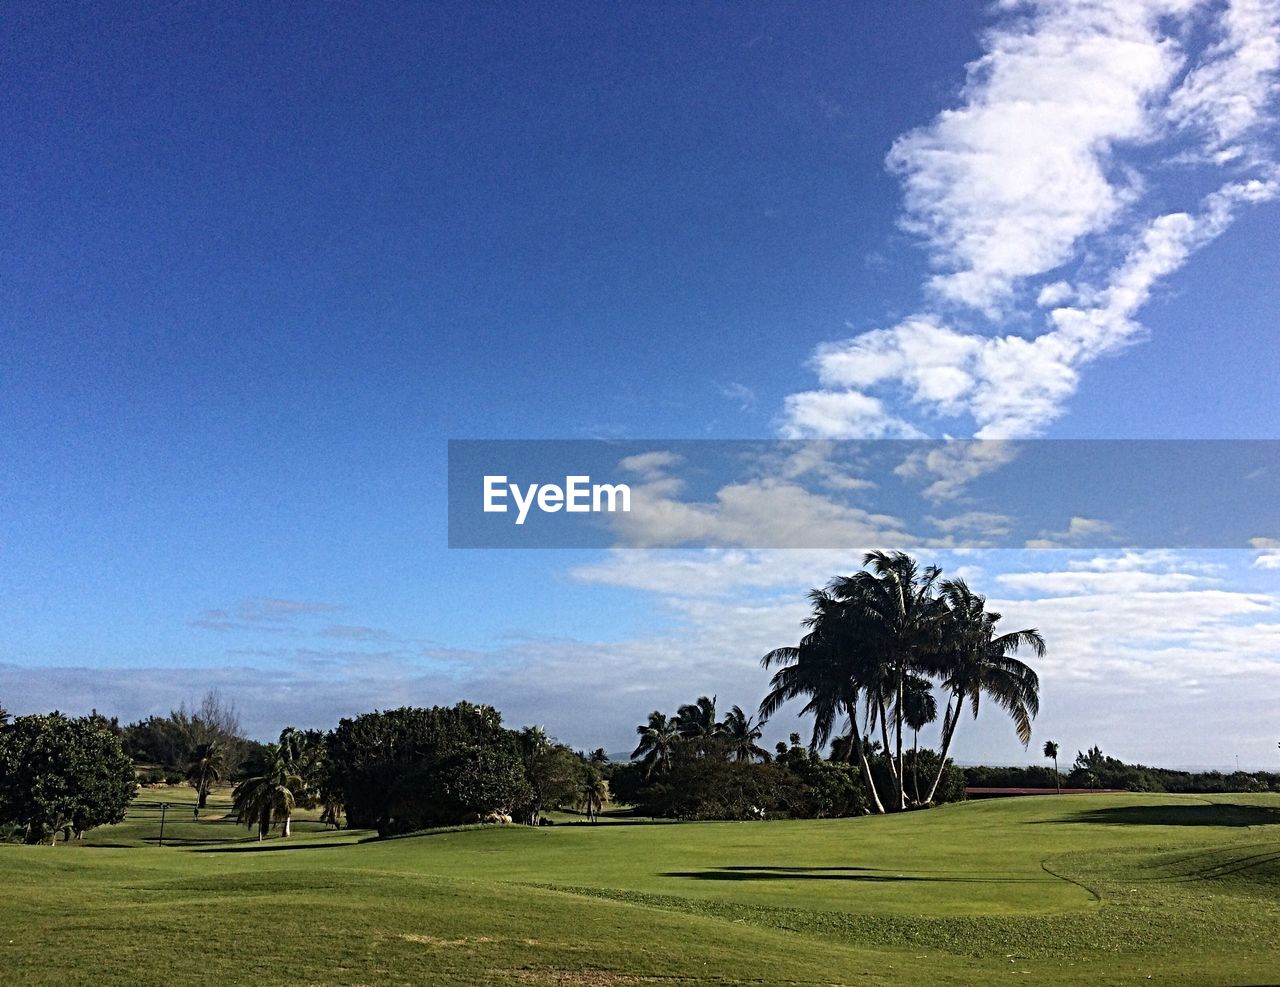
(205, 769)
(899, 618)
(269, 793)
(973, 661)
(595, 793)
(554, 772)
(830, 668)
(409, 768)
(697, 722)
(741, 736)
(62, 774)
(1051, 750)
(658, 739)
(920, 708)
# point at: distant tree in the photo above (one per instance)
(62, 774)
(269, 793)
(1051, 750)
(4, 716)
(554, 772)
(741, 736)
(658, 740)
(697, 722)
(920, 708)
(410, 768)
(205, 769)
(595, 793)
(598, 757)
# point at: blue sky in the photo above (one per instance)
(260, 265)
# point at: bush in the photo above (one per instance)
(410, 768)
(713, 788)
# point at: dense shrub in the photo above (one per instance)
(408, 768)
(712, 788)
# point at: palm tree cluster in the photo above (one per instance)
(696, 730)
(282, 777)
(878, 642)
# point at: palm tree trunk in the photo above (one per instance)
(884, 737)
(287, 820)
(876, 805)
(1057, 778)
(264, 823)
(948, 731)
(902, 777)
(915, 763)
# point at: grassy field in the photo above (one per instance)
(1071, 889)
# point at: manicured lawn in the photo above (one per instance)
(1048, 889)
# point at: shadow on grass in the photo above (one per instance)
(747, 873)
(1205, 814)
(275, 845)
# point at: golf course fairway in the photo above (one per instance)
(1052, 889)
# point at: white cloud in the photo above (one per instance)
(1004, 186)
(1035, 170)
(1229, 95)
(843, 415)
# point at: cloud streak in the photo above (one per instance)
(1065, 122)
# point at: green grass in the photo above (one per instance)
(1072, 889)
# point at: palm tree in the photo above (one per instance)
(595, 793)
(205, 769)
(919, 709)
(973, 661)
(830, 668)
(901, 621)
(1051, 750)
(742, 734)
(268, 795)
(697, 722)
(658, 739)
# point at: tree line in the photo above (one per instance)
(877, 644)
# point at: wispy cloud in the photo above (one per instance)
(261, 614)
(1047, 161)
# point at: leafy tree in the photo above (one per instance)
(1051, 750)
(205, 769)
(63, 774)
(658, 741)
(832, 789)
(405, 768)
(974, 661)
(598, 757)
(699, 787)
(554, 772)
(741, 735)
(269, 793)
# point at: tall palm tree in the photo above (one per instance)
(973, 661)
(742, 735)
(658, 739)
(204, 770)
(595, 793)
(919, 709)
(268, 794)
(901, 618)
(697, 722)
(1051, 750)
(829, 667)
